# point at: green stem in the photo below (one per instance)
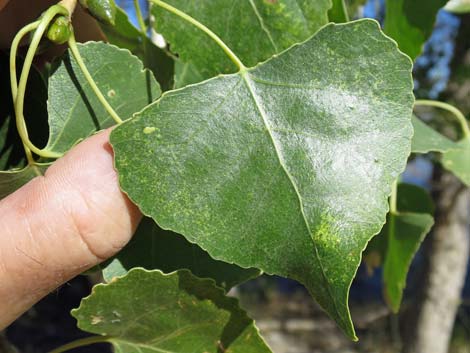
(140, 19)
(78, 58)
(70, 5)
(457, 113)
(14, 79)
(203, 28)
(393, 198)
(13, 50)
(80, 343)
(19, 101)
(345, 10)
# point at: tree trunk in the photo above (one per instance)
(428, 327)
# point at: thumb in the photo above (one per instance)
(59, 225)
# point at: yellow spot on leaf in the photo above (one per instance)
(96, 320)
(149, 129)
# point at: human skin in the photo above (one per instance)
(61, 224)
(67, 221)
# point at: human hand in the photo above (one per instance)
(60, 225)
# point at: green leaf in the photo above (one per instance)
(12, 180)
(124, 35)
(412, 198)
(253, 29)
(147, 311)
(103, 10)
(186, 72)
(458, 6)
(400, 238)
(457, 161)
(455, 155)
(405, 233)
(338, 13)
(426, 139)
(155, 248)
(410, 23)
(285, 167)
(74, 110)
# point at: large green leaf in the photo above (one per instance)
(457, 161)
(124, 35)
(285, 167)
(155, 248)
(426, 139)
(410, 23)
(458, 6)
(395, 246)
(74, 110)
(147, 311)
(253, 29)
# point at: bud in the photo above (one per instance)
(59, 30)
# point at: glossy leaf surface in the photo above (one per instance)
(395, 246)
(154, 248)
(178, 313)
(74, 110)
(410, 23)
(253, 29)
(285, 167)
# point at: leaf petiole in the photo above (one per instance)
(42, 25)
(450, 108)
(14, 49)
(80, 343)
(78, 58)
(140, 19)
(393, 198)
(203, 28)
(69, 5)
(13, 77)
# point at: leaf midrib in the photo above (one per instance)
(249, 84)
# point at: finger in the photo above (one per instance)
(59, 225)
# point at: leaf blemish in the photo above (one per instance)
(149, 129)
(95, 320)
(111, 93)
